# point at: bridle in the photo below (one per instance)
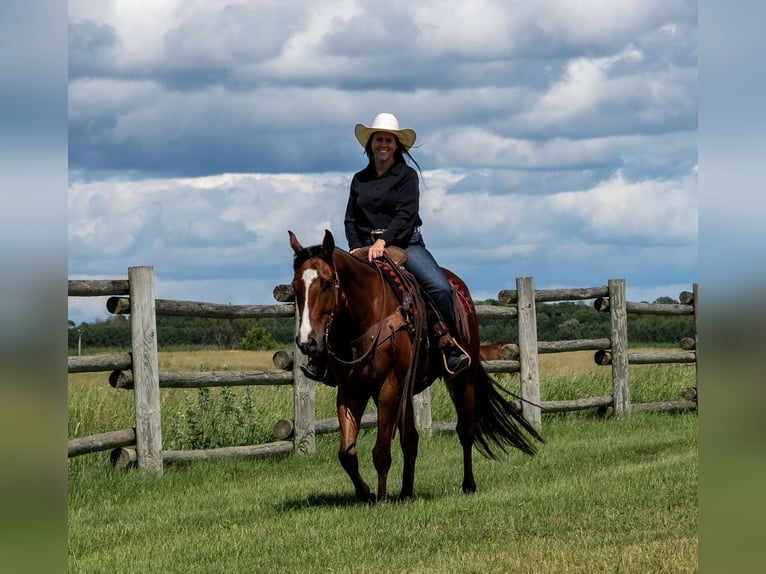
(373, 334)
(397, 320)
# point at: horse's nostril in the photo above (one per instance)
(307, 347)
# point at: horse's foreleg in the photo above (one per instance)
(388, 404)
(463, 397)
(349, 430)
(408, 439)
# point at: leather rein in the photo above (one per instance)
(395, 322)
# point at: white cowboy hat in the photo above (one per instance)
(385, 123)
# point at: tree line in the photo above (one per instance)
(555, 322)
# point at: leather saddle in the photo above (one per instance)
(392, 252)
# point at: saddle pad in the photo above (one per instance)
(466, 303)
(393, 276)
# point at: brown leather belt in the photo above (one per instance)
(376, 234)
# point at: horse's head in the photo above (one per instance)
(313, 285)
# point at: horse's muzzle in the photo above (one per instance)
(310, 348)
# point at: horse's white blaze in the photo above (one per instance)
(309, 275)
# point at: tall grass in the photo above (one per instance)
(602, 495)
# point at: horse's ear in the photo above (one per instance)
(294, 243)
(329, 241)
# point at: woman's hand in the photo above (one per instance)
(376, 249)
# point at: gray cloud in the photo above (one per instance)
(224, 87)
(557, 139)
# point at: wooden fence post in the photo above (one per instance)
(696, 341)
(421, 404)
(529, 372)
(146, 372)
(619, 336)
(304, 399)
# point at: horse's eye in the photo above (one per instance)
(327, 285)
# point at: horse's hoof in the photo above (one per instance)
(407, 499)
(368, 499)
(469, 488)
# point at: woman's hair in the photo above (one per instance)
(399, 153)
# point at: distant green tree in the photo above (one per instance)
(555, 321)
(580, 320)
(281, 328)
(665, 300)
(569, 329)
(113, 332)
(258, 339)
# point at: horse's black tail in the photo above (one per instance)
(498, 422)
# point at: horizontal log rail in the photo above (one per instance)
(573, 345)
(496, 312)
(169, 308)
(509, 296)
(576, 404)
(284, 429)
(250, 451)
(602, 304)
(126, 457)
(283, 360)
(501, 366)
(95, 363)
(689, 343)
(604, 357)
(665, 406)
(123, 457)
(284, 294)
(123, 379)
(98, 287)
(103, 441)
(444, 426)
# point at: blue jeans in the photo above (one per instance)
(426, 270)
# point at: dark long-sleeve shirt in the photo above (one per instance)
(390, 201)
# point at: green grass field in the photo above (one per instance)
(602, 495)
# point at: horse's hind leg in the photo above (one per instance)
(463, 397)
(349, 419)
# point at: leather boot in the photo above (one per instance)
(455, 360)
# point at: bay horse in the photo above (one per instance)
(377, 348)
(500, 351)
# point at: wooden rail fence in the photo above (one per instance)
(138, 369)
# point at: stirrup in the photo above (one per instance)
(464, 363)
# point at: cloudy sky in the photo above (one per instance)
(557, 139)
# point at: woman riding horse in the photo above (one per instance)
(383, 210)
